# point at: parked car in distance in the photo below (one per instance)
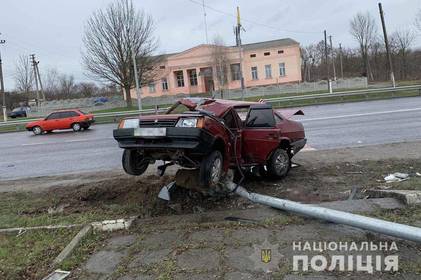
(213, 135)
(20, 112)
(64, 119)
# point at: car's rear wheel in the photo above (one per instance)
(279, 163)
(76, 127)
(37, 130)
(134, 163)
(211, 169)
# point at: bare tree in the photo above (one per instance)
(364, 30)
(402, 41)
(23, 74)
(220, 62)
(66, 85)
(111, 37)
(418, 20)
(51, 82)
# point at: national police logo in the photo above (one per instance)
(266, 257)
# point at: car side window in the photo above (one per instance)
(260, 117)
(230, 120)
(53, 116)
(72, 114)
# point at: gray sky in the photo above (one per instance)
(52, 29)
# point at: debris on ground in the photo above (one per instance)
(396, 177)
(57, 275)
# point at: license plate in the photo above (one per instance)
(150, 132)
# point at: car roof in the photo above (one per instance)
(67, 110)
(218, 106)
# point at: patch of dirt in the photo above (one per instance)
(313, 181)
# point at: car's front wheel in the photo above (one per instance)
(76, 127)
(279, 163)
(37, 130)
(211, 169)
(134, 163)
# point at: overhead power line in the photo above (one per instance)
(251, 21)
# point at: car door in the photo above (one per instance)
(260, 135)
(233, 122)
(50, 121)
(70, 117)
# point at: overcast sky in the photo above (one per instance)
(53, 29)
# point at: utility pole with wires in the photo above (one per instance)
(37, 76)
(386, 43)
(2, 85)
(333, 58)
(340, 61)
(237, 31)
(205, 22)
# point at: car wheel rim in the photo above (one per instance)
(216, 171)
(281, 162)
(76, 127)
(37, 130)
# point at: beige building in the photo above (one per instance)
(194, 70)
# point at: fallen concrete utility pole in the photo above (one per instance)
(339, 217)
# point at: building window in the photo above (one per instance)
(180, 78)
(254, 75)
(253, 55)
(235, 72)
(162, 67)
(282, 69)
(266, 53)
(151, 87)
(192, 77)
(281, 51)
(268, 71)
(164, 84)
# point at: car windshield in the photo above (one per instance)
(17, 110)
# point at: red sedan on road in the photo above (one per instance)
(64, 119)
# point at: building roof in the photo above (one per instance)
(252, 46)
(270, 44)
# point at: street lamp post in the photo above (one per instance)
(2, 86)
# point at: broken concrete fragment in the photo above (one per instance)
(111, 225)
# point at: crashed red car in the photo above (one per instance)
(212, 135)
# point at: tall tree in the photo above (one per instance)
(418, 20)
(402, 41)
(364, 29)
(23, 75)
(112, 36)
(220, 62)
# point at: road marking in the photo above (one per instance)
(362, 114)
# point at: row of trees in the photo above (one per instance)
(55, 85)
(369, 58)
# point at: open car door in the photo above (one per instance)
(260, 135)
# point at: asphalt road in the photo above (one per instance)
(327, 126)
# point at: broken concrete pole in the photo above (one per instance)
(72, 245)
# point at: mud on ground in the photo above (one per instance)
(320, 176)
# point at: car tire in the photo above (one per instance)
(134, 163)
(279, 164)
(37, 130)
(76, 127)
(211, 169)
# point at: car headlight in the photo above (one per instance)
(187, 122)
(129, 123)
